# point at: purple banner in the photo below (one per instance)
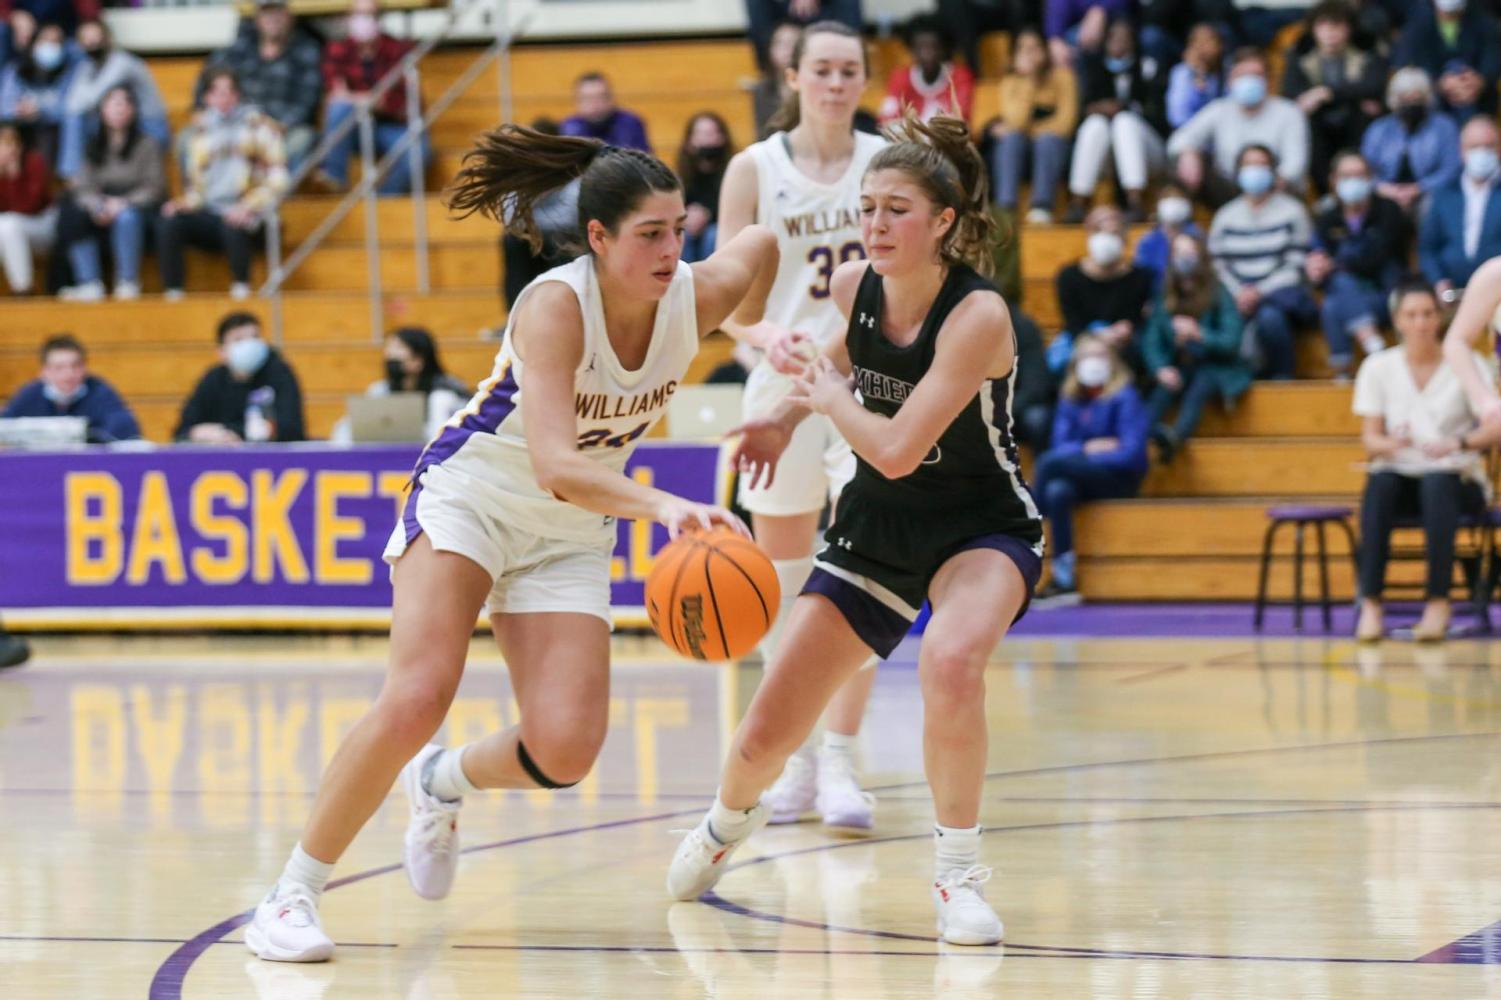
(283, 527)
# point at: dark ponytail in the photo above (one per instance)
(939, 157)
(789, 113)
(513, 167)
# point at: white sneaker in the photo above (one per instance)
(127, 291)
(239, 291)
(285, 928)
(89, 291)
(791, 796)
(431, 851)
(700, 859)
(174, 295)
(840, 802)
(1040, 217)
(963, 915)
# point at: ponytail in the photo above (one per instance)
(789, 113)
(939, 157)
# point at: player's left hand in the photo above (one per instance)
(821, 387)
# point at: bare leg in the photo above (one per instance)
(847, 709)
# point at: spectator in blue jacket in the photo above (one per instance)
(33, 88)
(1098, 452)
(1459, 44)
(596, 116)
(1414, 150)
(1462, 227)
(1199, 78)
(66, 389)
(1174, 217)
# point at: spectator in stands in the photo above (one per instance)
(1338, 86)
(1192, 346)
(103, 68)
(253, 396)
(1098, 450)
(597, 117)
(1361, 243)
(235, 170)
(1123, 111)
(116, 193)
(352, 67)
(1462, 227)
(1036, 393)
(13, 650)
(771, 89)
(702, 160)
(32, 88)
(1413, 151)
(28, 216)
(1104, 294)
(66, 389)
(556, 215)
(412, 365)
(279, 69)
(1228, 125)
(932, 84)
(1199, 78)
(1459, 45)
(1259, 242)
(1174, 216)
(1424, 441)
(764, 15)
(1075, 27)
(1039, 106)
(66, 14)
(968, 20)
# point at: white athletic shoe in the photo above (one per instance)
(127, 291)
(963, 915)
(239, 291)
(700, 859)
(792, 795)
(431, 851)
(840, 802)
(285, 928)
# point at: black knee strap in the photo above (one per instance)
(534, 772)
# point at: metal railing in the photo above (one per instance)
(373, 171)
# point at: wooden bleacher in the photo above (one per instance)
(1194, 535)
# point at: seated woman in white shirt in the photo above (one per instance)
(1424, 440)
(412, 365)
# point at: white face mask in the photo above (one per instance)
(1093, 371)
(1105, 248)
(1173, 211)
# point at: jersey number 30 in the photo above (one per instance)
(600, 437)
(826, 258)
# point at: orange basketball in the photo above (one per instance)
(712, 595)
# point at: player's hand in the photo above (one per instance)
(761, 445)
(679, 516)
(787, 352)
(821, 386)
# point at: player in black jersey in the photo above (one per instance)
(921, 387)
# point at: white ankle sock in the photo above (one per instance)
(305, 870)
(724, 824)
(443, 777)
(955, 847)
(838, 745)
(791, 575)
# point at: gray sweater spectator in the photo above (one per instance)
(102, 69)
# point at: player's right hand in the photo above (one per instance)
(679, 515)
(788, 352)
(761, 444)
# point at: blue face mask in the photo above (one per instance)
(245, 357)
(1481, 163)
(60, 399)
(1255, 178)
(1118, 64)
(1186, 263)
(47, 55)
(1248, 91)
(1353, 190)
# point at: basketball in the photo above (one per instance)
(712, 595)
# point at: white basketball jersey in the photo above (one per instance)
(613, 407)
(817, 227)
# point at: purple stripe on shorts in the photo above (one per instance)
(499, 403)
(1020, 553)
(879, 627)
(409, 514)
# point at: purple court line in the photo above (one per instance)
(1481, 948)
(85, 939)
(167, 983)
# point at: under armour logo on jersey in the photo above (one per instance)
(867, 321)
(845, 543)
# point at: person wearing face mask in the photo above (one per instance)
(1098, 452)
(596, 115)
(933, 84)
(1259, 242)
(1361, 244)
(32, 88)
(1192, 346)
(412, 365)
(702, 160)
(103, 68)
(352, 66)
(252, 395)
(1206, 148)
(1103, 294)
(1462, 227)
(1413, 151)
(65, 388)
(1174, 216)
(1455, 42)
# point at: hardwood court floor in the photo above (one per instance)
(1168, 818)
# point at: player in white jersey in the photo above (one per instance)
(803, 182)
(513, 507)
(1475, 328)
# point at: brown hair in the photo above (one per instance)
(1190, 294)
(786, 117)
(939, 157)
(688, 158)
(513, 167)
(63, 342)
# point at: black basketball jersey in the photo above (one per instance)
(973, 472)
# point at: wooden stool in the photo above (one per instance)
(1301, 516)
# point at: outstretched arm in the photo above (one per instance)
(733, 283)
(1481, 298)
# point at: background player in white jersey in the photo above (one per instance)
(1474, 328)
(803, 182)
(513, 510)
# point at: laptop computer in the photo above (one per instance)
(42, 433)
(697, 412)
(398, 418)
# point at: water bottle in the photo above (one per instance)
(260, 425)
